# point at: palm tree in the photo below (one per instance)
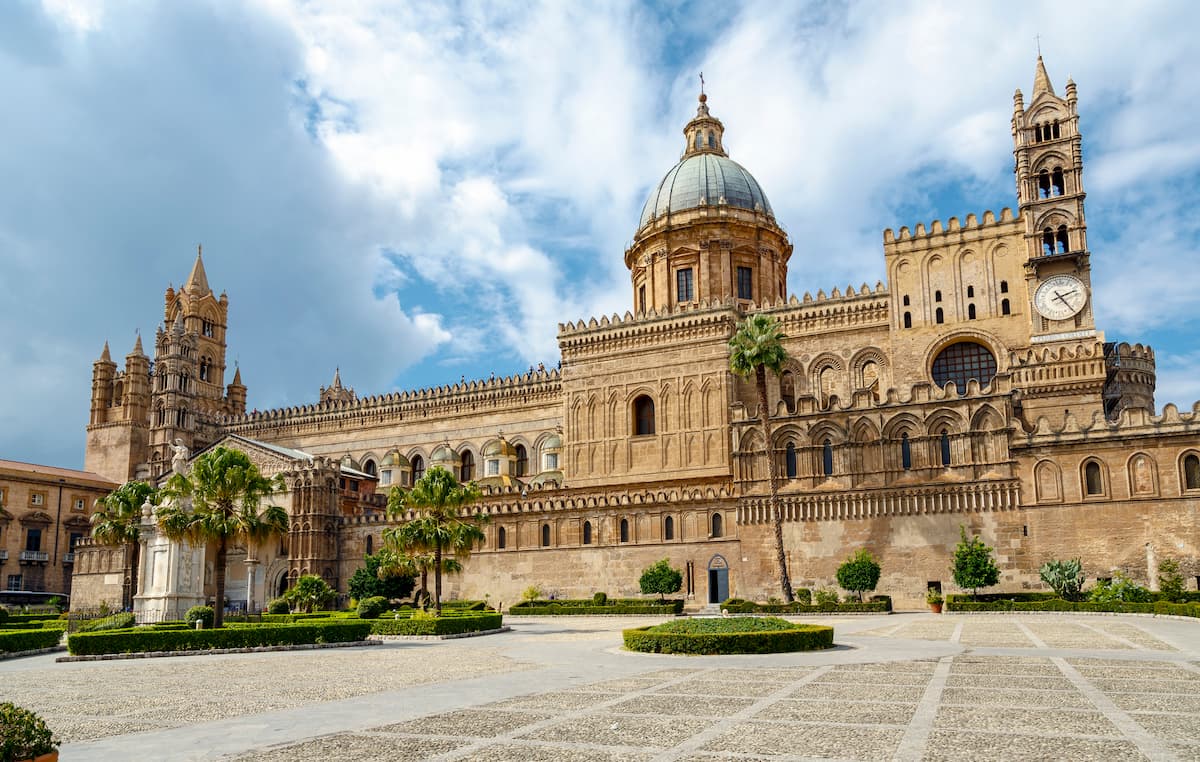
(118, 521)
(437, 497)
(756, 347)
(227, 490)
(400, 559)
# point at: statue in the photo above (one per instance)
(180, 458)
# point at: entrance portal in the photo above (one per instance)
(718, 579)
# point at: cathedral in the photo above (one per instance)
(971, 389)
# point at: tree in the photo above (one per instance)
(226, 490)
(661, 578)
(438, 500)
(310, 593)
(368, 582)
(1170, 581)
(859, 573)
(973, 566)
(756, 347)
(1065, 578)
(118, 521)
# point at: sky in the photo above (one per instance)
(418, 193)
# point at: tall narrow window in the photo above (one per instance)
(466, 471)
(718, 529)
(1054, 130)
(587, 533)
(1191, 472)
(712, 140)
(685, 289)
(1043, 184)
(787, 390)
(939, 316)
(907, 301)
(790, 461)
(204, 369)
(745, 282)
(970, 312)
(937, 296)
(970, 292)
(1063, 242)
(1005, 307)
(905, 452)
(33, 540)
(206, 327)
(370, 467)
(418, 468)
(522, 460)
(501, 538)
(945, 448)
(545, 535)
(827, 458)
(643, 416)
(668, 528)
(908, 320)
(642, 298)
(370, 545)
(1047, 241)
(1057, 181)
(1093, 479)
(624, 530)
(1004, 287)
(181, 417)
(699, 140)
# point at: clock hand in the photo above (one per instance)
(1059, 297)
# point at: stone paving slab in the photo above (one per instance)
(957, 746)
(864, 742)
(1025, 721)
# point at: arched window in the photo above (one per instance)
(522, 460)
(787, 390)
(1054, 129)
(668, 528)
(1063, 243)
(466, 471)
(1047, 242)
(712, 140)
(907, 301)
(937, 296)
(908, 320)
(1004, 287)
(587, 533)
(162, 416)
(624, 530)
(717, 528)
(1056, 180)
(204, 363)
(1005, 307)
(827, 458)
(699, 139)
(963, 361)
(945, 448)
(501, 538)
(1093, 478)
(939, 316)
(1043, 184)
(370, 545)
(370, 467)
(1191, 472)
(545, 535)
(181, 417)
(970, 312)
(970, 292)
(905, 452)
(418, 468)
(118, 393)
(790, 461)
(643, 416)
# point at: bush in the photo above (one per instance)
(972, 565)
(1065, 578)
(366, 582)
(1170, 581)
(279, 606)
(964, 604)
(827, 600)
(879, 604)
(531, 593)
(437, 625)
(802, 595)
(660, 579)
(203, 614)
(584, 607)
(735, 635)
(1121, 589)
(3, 615)
(599, 599)
(310, 593)
(859, 573)
(23, 735)
(115, 622)
(371, 608)
(464, 605)
(12, 641)
(150, 639)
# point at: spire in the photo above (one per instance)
(237, 377)
(337, 379)
(105, 356)
(1041, 80)
(197, 279)
(137, 346)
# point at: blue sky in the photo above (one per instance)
(420, 192)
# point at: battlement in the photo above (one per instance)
(952, 226)
(1132, 421)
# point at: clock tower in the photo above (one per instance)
(1047, 147)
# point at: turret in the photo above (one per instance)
(137, 384)
(236, 394)
(104, 371)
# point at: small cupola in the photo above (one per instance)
(704, 132)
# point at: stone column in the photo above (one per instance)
(251, 567)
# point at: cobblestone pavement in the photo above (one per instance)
(907, 687)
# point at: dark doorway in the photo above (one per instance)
(718, 579)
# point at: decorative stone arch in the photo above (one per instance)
(1054, 218)
(862, 359)
(900, 424)
(1092, 469)
(823, 430)
(789, 432)
(988, 340)
(1189, 471)
(987, 418)
(944, 419)
(370, 457)
(1142, 473)
(1048, 161)
(751, 441)
(864, 431)
(827, 377)
(1047, 482)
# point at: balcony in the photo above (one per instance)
(69, 558)
(28, 556)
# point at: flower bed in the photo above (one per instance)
(151, 639)
(585, 606)
(12, 641)
(447, 624)
(964, 604)
(879, 605)
(736, 635)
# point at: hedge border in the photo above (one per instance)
(216, 651)
(1162, 608)
(572, 608)
(144, 639)
(437, 626)
(12, 641)
(749, 607)
(802, 637)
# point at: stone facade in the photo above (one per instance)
(972, 389)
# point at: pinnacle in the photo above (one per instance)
(237, 377)
(105, 356)
(137, 346)
(1041, 80)
(337, 379)
(198, 280)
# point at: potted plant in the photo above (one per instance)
(934, 599)
(24, 736)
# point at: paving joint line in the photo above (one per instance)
(1113, 636)
(1153, 748)
(956, 636)
(916, 737)
(1033, 638)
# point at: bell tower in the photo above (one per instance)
(1048, 149)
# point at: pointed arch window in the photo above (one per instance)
(587, 533)
(827, 458)
(1043, 184)
(205, 365)
(501, 538)
(418, 468)
(1191, 471)
(787, 390)
(1093, 478)
(1056, 181)
(905, 452)
(643, 416)
(370, 467)
(181, 417)
(790, 460)
(522, 460)
(945, 443)
(718, 525)
(624, 530)
(939, 316)
(466, 470)
(1062, 240)
(669, 528)
(545, 535)
(970, 312)
(1048, 242)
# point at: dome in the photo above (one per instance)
(443, 454)
(702, 179)
(553, 442)
(499, 447)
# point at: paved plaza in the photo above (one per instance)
(907, 687)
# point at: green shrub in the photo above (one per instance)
(660, 578)
(531, 593)
(464, 605)
(827, 600)
(203, 614)
(28, 618)
(310, 593)
(278, 606)
(1065, 578)
(802, 595)
(23, 735)
(12, 641)
(964, 604)
(416, 624)
(115, 622)
(972, 565)
(3, 615)
(584, 607)
(1170, 581)
(739, 606)
(1120, 589)
(859, 573)
(366, 582)
(599, 599)
(728, 635)
(151, 639)
(371, 608)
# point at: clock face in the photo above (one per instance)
(1060, 297)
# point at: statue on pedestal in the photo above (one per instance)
(180, 458)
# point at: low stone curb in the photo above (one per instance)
(33, 652)
(448, 636)
(215, 651)
(1071, 613)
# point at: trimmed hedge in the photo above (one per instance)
(882, 604)
(12, 641)
(48, 624)
(27, 618)
(443, 625)
(767, 636)
(150, 639)
(571, 607)
(1057, 604)
(465, 605)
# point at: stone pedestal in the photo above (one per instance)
(170, 575)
